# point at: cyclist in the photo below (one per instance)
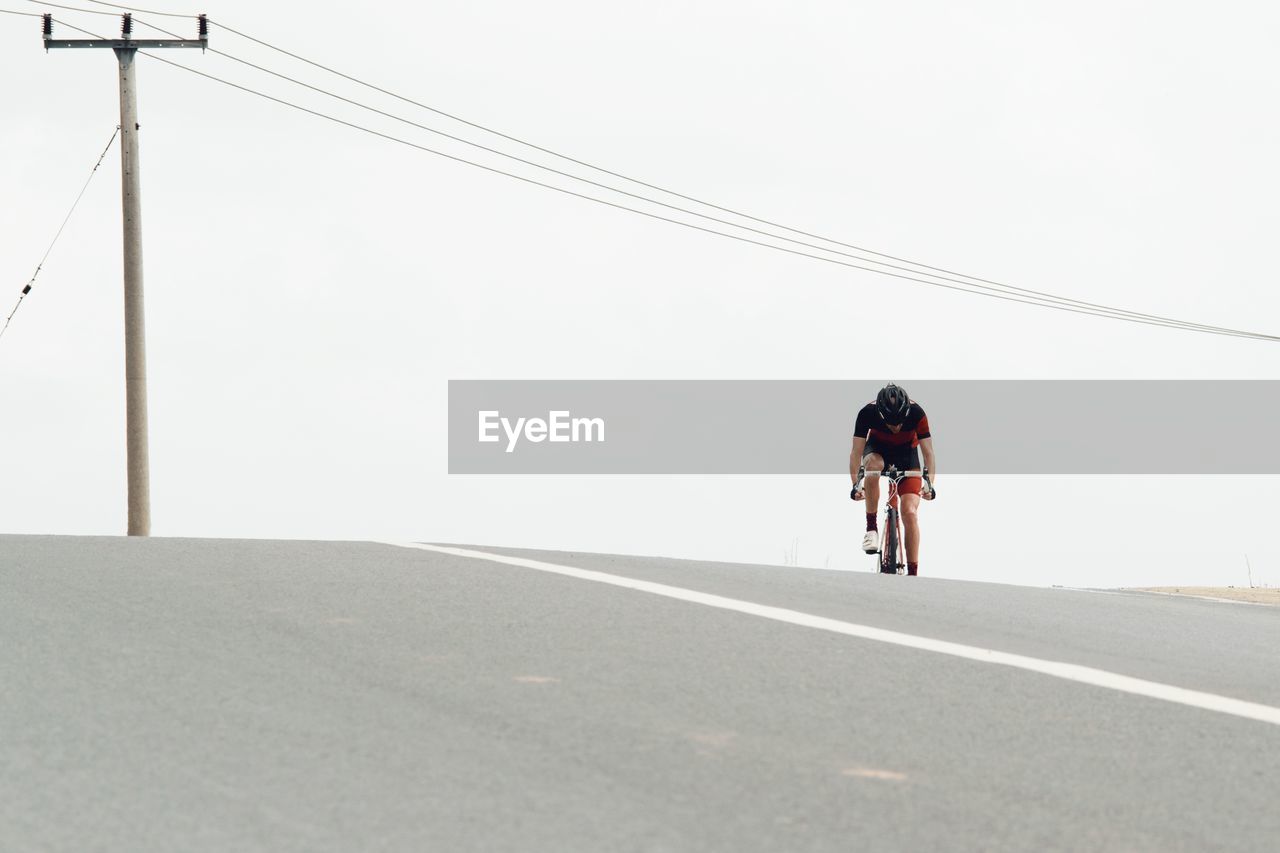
(888, 432)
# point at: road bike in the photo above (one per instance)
(891, 549)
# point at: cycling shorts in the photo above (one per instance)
(903, 457)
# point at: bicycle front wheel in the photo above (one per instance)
(889, 544)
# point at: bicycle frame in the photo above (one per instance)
(892, 548)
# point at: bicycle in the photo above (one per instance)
(892, 558)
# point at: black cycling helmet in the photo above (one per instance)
(892, 403)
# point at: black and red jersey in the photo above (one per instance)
(871, 426)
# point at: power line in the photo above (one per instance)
(935, 269)
(610, 188)
(1095, 313)
(66, 219)
(607, 187)
(74, 8)
(1042, 297)
(968, 282)
(965, 287)
(135, 9)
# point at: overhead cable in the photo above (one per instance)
(970, 284)
(916, 268)
(31, 282)
(136, 9)
(977, 280)
(966, 287)
(731, 224)
(1009, 298)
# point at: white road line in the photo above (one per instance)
(1067, 671)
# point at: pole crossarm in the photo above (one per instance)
(127, 42)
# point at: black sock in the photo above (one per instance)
(871, 521)
(912, 568)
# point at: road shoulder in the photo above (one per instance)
(1246, 595)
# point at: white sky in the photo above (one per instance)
(311, 289)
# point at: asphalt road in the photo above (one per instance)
(177, 694)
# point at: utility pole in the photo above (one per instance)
(135, 335)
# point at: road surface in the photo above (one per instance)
(191, 694)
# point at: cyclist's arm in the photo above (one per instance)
(855, 457)
(926, 447)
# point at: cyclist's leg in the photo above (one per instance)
(872, 461)
(909, 505)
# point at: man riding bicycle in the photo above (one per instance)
(888, 433)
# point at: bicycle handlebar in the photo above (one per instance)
(897, 476)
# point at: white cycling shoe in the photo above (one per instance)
(871, 542)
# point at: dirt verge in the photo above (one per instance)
(1253, 595)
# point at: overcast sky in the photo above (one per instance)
(310, 289)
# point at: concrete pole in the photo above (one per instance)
(135, 328)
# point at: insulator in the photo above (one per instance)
(203, 24)
(48, 26)
(126, 25)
